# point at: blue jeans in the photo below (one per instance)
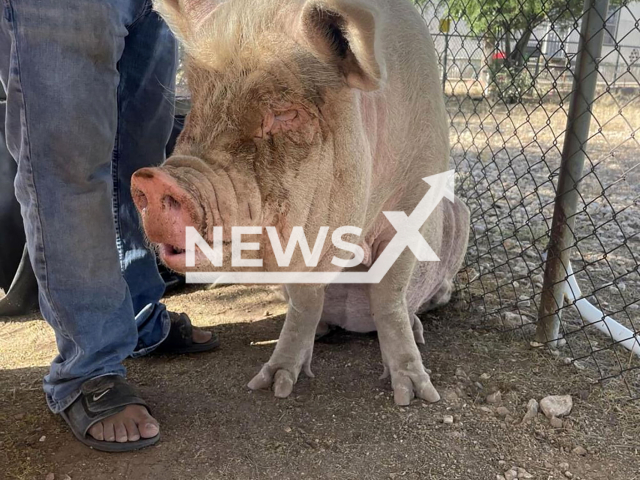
(89, 100)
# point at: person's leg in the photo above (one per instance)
(145, 119)
(58, 61)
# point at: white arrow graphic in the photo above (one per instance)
(407, 235)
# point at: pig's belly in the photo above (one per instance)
(347, 305)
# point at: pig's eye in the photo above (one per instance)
(285, 117)
(277, 121)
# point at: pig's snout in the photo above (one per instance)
(166, 210)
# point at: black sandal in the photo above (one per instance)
(180, 338)
(102, 397)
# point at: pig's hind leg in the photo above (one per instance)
(295, 345)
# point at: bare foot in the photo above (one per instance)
(130, 425)
(135, 422)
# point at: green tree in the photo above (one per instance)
(513, 21)
(508, 25)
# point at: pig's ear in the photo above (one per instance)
(346, 33)
(185, 17)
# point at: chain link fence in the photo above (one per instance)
(544, 104)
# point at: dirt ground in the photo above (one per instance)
(340, 424)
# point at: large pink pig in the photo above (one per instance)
(313, 113)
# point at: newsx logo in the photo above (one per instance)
(283, 256)
(407, 236)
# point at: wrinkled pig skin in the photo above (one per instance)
(312, 113)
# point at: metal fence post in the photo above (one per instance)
(573, 153)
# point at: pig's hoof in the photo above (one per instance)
(281, 379)
(407, 385)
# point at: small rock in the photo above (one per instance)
(566, 361)
(460, 373)
(536, 344)
(563, 466)
(538, 280)
(568, 474)
(579, 451)
(500, 477)
(486, 409)
(494, 398)
(287, 429)
(522, 473)
(42, 438)
(50, 476)
(556, 405)
(548, 466)
(555, 422)
(502, 411)
(511, 474)
(447, 419)
(267, 313)
(485, 376)
(532, 411)
(450, 396)
(66, 477)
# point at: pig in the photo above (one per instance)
(312, 113)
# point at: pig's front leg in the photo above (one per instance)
(400, 354)
(295, 345)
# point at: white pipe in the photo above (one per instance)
(592, 316)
